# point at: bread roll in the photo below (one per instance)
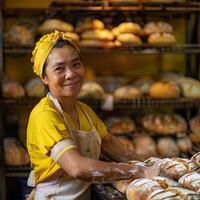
(164, 123)
(55, 24)
(21, 35)
(167, 147)
(184, 144)
(128, 38)
(191, 181)
(89, 24)
(120, 125)
(127, 92)
(141, 141)
(161, 39)
(74, 36)
(13, 89)
(91, 90)
(196, 158)
(190, 87)
(14, 153)
(35, 88)
(161, 89)
(157, 27)
(189, 164)
(98, 34)
(195, 125)
(141, 189)
(184, 193)
(129, 27)
(153, 161)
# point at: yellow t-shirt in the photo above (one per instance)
(46, 127)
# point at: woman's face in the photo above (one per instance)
(64, 72)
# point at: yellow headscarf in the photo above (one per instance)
(43, 48)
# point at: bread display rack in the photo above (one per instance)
(186, 9)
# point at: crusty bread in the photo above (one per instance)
(98, 34)
(13, 89)
(184, 144)
(89, 24)
(161, 39)
(129, 38)
(165, 124)
(161, 89)
(196, 158)
(157, 27)
(127, 92)
(55, 24)
(195, 125)
(165, 182)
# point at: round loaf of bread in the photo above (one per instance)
(161, 39)
(153, 161)
(190, 87)
(13, 89)
(164, 123)
(184, 144)
(157, 27)
(127, 92)
(55, 24)
(91, 90)
(141, 189)
(167, 147)
(161, 89)
(98, 34)
(128, 27)
(191, 181)
(129, 38)
(165, 182)
(141, 141)
(195, 125)
(89, 24)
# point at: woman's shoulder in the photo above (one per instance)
(85, 107)
(44, 107)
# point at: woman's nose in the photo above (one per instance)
(69, 73)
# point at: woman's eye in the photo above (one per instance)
(76, 64)
(59, 69)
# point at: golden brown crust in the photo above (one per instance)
(127, 92)
(161, 39)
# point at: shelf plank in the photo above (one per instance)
(129, 49)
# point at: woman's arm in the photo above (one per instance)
(114, 149)
(84, 168)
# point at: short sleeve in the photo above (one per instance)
(49, 129)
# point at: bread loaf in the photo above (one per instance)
(164, 123)
(55, 24)
(184, 144)
(141, 189)
(127, 92)
(190, 87)
(141, 141)
(165, 182)
(195, 125)
(98, 34)
(167, 147)
(91, 90)
(161, 39)
(163, 89)
(13, 89)
(189, 164)
(128, 38)
(89, 24)
(14, 153)
(153, 161)
(191, 181)
(157, 27)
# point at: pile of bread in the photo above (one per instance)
(163, 135)
(178, 179)
(91, 32)
(14, 153)
(33, 88)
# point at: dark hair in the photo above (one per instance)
(60, 44)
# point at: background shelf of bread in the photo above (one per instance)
(92, 32)
(179, 179)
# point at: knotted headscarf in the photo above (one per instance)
(43, 48)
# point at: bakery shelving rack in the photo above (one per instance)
(91, 7)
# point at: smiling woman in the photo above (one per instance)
(64, 136)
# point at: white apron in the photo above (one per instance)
(62, 187)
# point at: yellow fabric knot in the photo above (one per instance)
(43, 48)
